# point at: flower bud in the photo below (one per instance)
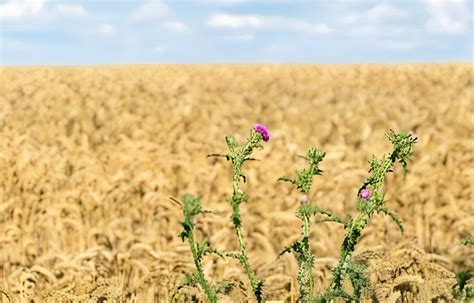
(263, 130)
(304, 199)
(365, 194)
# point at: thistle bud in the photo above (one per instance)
(365, 194)
(260, 128)
(304, 199)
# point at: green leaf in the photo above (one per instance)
(394, 218)
(231, 143)
(334, 219)
(218, 155)
(287, 249)
(224, 287)
(286, 179)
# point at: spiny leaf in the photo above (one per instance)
(224, 287)
(469, 241)
(334, 219)
(258, 291)
(219, 155)
(286, 179)
(358, 278)
(289, 248)
(394, 218)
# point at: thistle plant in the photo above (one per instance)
(370, 200)
(306, 210)
(191, 208)
(238, 155)
(462, 292)
(468, 241)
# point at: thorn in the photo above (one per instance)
(176, 201)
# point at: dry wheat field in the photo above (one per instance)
(89, 157)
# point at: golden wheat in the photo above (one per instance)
(89, 157)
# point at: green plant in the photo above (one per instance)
(306, 210)
(192, 207)
(462, 292)
(370, 200)
(468, 241)
(238, 155)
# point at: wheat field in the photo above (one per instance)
(89, 157)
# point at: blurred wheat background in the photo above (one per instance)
(90, 156)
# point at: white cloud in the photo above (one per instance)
(237, 21)
(448, 16)
(230, 1)
(241, 37)
(373, 22)
(221, 3)
(176, 26)
(382, 11)
(373, 30)
(106, 29)
(150, 10)
(16, 9)
(379, 12)
(70, 10)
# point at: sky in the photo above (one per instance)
(89, 32)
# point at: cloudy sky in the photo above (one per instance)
(76, 32)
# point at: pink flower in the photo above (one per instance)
(304, 199)
(365, 194)
(260, 128)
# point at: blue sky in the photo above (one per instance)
(77, 32)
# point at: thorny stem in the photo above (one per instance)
(351, 238)
(306, 210)
(254, 283)
(403, 149)
(243, 258)
(305, 276)
(191, 208)
(200, 274)
(238, 156)
(348, 248)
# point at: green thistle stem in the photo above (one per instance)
(306, 211)
(191, 208)
(245, 261)
(354, 232)
(305, 271)
(348, 245)
(402, 150)
(243, 257)
(211, 295)
(238, 156)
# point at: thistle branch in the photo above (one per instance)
(192, 207)
(306, 210)
(238, 155)
(370, 200)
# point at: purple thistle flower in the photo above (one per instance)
(304, 199)
(260, 128)
(365, 194)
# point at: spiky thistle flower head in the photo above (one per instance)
(304, 199)
(365, 194)
(263, 130)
